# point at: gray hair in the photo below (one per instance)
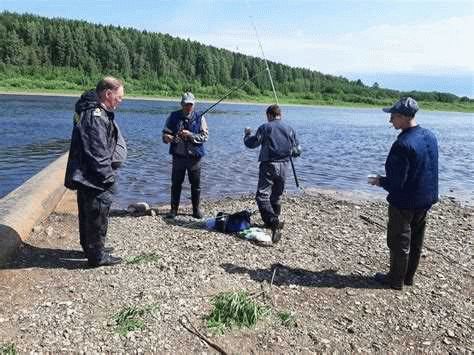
(107, 83)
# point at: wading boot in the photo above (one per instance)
(396, 276)
(196, 200)
(276, 228)
(173, 212)
(107, 260)
(413, 262)
(107, 250)
(276, 209)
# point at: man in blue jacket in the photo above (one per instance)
(186, 132)
(278, 143)
(97, 150)
(412, 184)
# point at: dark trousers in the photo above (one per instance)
(271, 184)
(181, 165)
(94, 207)
(405, 235)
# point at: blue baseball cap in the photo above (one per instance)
(405, 106)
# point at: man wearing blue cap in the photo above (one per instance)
(186, 132)
(412, 184)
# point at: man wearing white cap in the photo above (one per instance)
(186, 131)
(412, 184)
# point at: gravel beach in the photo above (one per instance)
(320, 273)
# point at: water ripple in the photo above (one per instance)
(341, 146)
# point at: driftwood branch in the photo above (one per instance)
(195, 332)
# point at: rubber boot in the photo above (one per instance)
(276, 209)
(386, 278)
(399, 271)
(173, 212)
(175, 198)
(276, 228)
(266, 212)
(413, 262)
(196, 201)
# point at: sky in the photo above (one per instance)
(400, 44)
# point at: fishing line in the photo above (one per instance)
(265, 60)
(231, 91)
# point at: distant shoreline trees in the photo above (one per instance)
(43, 53)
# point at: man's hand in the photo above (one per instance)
(167, 138)
(185, 134)
(247, 131)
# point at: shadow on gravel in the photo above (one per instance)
(286, 275)
(150, 212)
(201, 224)
(29, 256)
(186, 222)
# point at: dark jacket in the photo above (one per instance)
(93, 145)
(412, 170)
(196, 124)
(278, 141)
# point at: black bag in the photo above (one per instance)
(233, 223)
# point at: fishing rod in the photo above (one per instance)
(265, 60)
(230, 92)
(274, 92)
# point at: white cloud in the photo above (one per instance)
(437, 47)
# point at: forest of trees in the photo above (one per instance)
(60, 54)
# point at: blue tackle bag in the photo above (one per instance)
(230, 223)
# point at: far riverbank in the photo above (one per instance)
(261, 100)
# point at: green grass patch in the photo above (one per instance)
(234, 309)
(8, 349)
(287, 319)
(143, 258)
(132, 318)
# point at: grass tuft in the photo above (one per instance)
(8, 349)
(132, 318)
(234, 309)
(143, 258)
(287, 319)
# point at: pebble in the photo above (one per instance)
(321, 282)
(138, 207)
(49, 231)
(37, 229)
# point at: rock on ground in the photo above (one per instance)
(321, 272)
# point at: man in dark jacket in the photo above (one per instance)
(97, 150)
(278, 143)
(186, 132)
(412, 184)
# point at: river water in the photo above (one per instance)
(341, 146)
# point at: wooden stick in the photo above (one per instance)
(195, 332)
(371, 221)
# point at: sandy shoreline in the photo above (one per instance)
(321, 270)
